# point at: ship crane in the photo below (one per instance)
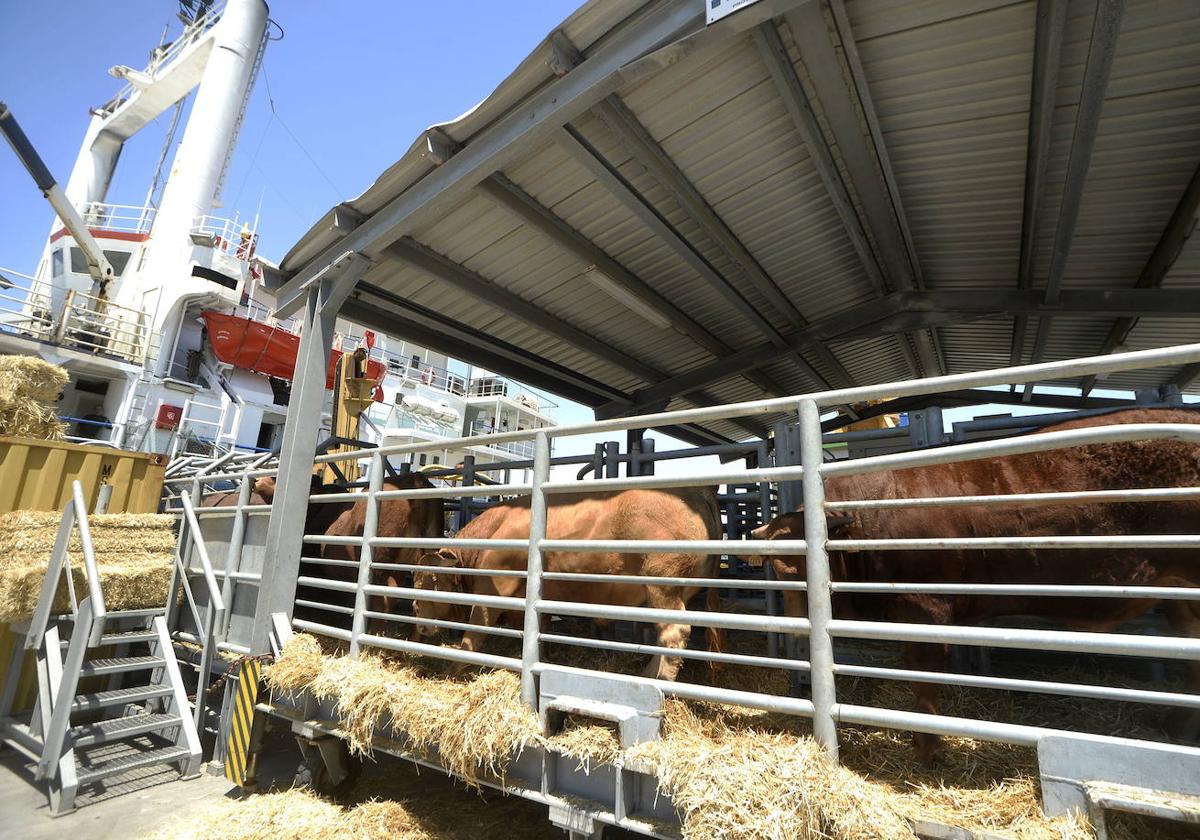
(98, 265)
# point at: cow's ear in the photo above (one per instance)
(448, 557)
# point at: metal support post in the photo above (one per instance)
(646, 462)
(277, 590)
(633, 445)
(820, 606)
(530, 645)
(233, 557)
(468, 480)
(612, 459)
(358, 624)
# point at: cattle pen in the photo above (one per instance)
(1081, 767)
(913, 288)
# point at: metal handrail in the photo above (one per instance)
(215, 612)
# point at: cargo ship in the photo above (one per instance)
(159, 312)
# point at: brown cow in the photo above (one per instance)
(1111, 466)
(397, 518)
(624, 515)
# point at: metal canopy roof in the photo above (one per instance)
(651, 211)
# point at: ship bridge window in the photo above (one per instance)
(118, 260)
(56, 263)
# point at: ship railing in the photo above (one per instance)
(119, 218)
(499, 386)
(428, 376)
(231, 236)
(260, 314)
(72, 318)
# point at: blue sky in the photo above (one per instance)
(354, 82)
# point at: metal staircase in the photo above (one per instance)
(111, 699)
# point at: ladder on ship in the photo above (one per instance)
(78, 735)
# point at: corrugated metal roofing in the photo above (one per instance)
(937, 92)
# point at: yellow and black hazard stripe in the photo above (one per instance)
(241, 722)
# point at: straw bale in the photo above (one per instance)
(133, 552)
(31, 378)
(475, 724)
(29, 388)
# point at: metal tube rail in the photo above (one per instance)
(226, 476)
(729, 621)
(214, 591)
(820, 605)
(333, 608)
(1164, 593)
(251, 510)
(417, 568)
(1027, 444)
(471, 490)
(530, 646)
(1163, 494)
(771, 547)
(501, 602)
(1092, 692)
(370, 524)
(981, 730)
(448, 625)
(684, 653)
(95, 594)
(1070, 641)
(469, 657)
(653, 580)
(979, 543)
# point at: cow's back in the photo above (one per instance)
(1109, 466)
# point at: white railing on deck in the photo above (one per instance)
(72, 318)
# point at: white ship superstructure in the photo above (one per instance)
(148, 369)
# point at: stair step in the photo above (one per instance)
(107, 731)
(101, 667)
(119, 697)
(153, 612)
(126, 637)
(134, 761)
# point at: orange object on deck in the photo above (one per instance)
(271, 351)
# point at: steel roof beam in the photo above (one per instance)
(887, 250)
(511, 197)
(607, 175)
(906, 311)
(635, 51)
(1106, 27)
(1187, 375)
(1047, 52)
(1179, 228)
(420, 256)
(380, 309)
(642, 146)
(791, 93)
(425, 259)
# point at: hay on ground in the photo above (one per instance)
(29, 388)
(294, 815)
(133, 553)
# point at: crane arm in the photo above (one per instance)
(98, 265)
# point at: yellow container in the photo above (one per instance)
(38, 475)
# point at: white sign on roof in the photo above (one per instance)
(717, 9)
